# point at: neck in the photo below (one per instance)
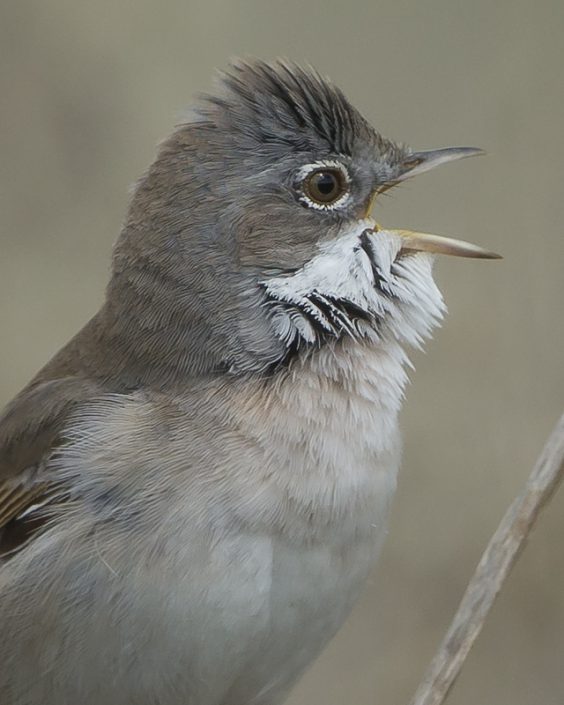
(354, 376)
(331, 418)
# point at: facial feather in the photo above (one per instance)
(357, 285)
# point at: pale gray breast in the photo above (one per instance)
(224, 536)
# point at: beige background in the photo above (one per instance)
(90, 87)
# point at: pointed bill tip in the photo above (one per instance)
(420, 162)
(437, 244)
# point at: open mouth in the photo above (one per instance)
(367, 283)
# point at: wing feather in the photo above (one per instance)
(31, 427)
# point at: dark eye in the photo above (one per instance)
(325, 186)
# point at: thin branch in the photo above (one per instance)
(493, 568)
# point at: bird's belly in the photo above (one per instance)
(311, 593)
(233, 623)
(237, 620)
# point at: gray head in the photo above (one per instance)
(249, 239)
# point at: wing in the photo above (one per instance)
(30, 429)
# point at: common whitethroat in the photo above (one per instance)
(195, 488)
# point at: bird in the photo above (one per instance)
(194, 490)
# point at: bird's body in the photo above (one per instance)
(195, 489)
(231, 601)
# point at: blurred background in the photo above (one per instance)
(88, 89)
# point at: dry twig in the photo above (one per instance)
(494, 566)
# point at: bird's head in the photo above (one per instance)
(251, 236)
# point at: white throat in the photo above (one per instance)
(358, 285)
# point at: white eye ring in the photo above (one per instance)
(329, 164)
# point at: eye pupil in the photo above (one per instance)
(326, 183)
(325, 186)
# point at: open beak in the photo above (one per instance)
(425, 242)
(417, 163)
